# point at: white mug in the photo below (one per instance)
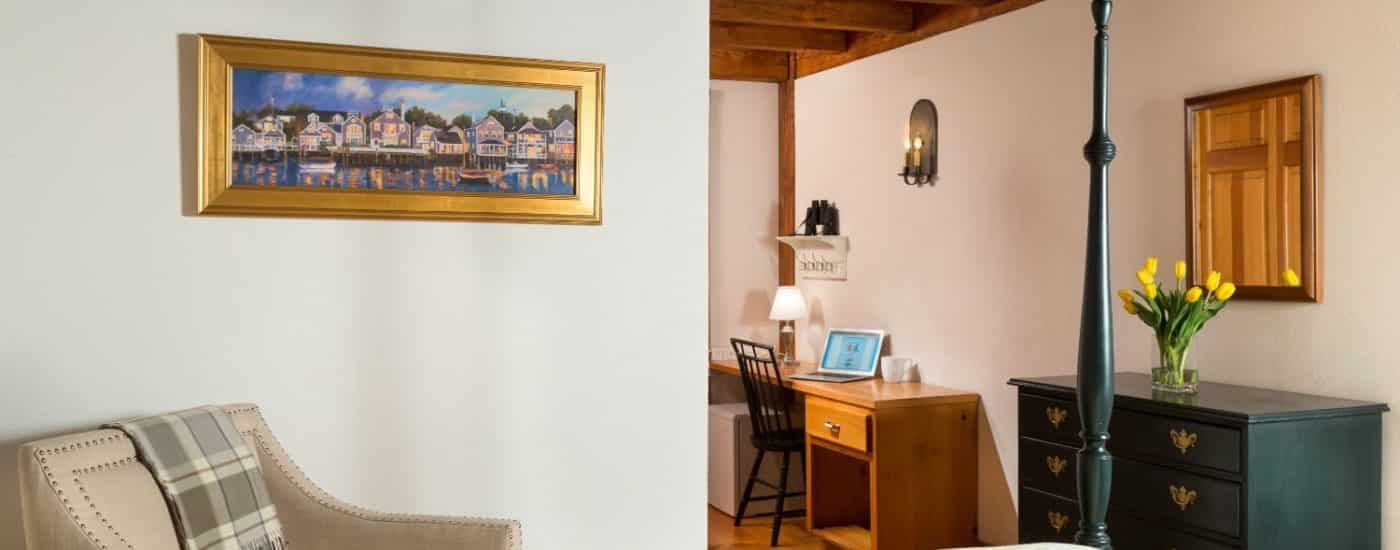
(898, 369)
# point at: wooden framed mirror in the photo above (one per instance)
(1253, 197)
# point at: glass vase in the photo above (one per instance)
(1172, 373)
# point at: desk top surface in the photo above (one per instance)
(871, 394)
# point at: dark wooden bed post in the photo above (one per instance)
(1095, 323)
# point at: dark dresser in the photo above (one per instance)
(1231, 467)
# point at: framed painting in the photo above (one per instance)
(1253, 189)
(303, 129)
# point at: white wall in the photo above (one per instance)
(743, 210)
(534, 372)
(979, 276)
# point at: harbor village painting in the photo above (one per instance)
(303, 129)
(320, 130)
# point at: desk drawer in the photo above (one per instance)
(1155, 492)
(1047, 518)
(1049, 467)
(1049, 419)
(838, 423)
(1176, 440)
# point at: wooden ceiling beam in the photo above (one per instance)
(756, 65)
(940, 20)
(977, 3)
(817, 14)
(740, 36)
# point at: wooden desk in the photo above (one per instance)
(890, 466)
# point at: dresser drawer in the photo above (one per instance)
(1129, 533)
(1049, 419)
(1176, 440)
(1162, 493)
(1049, 467)
(1047, 518)
(838, 423)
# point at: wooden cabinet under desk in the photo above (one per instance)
(1230, 468)
(890, 466)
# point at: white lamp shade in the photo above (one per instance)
(788, 305)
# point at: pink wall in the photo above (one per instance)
(979, 276)
(743, 210)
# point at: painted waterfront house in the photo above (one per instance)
(423, 137)
(269, 123)
(389, 129)
(489, 142)
(449, 143)
(355, 131)
(255, 139)
(246, 140)
(272, 140)
(317, 135)
(529, 143)
(561, 142)
(462, 137)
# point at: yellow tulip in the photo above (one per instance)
(1291, 277)
(1125, 295)
(1225, 291)
(1180, 269)
(1144, 277)
(1130, 307)
(1151, 291)
(1213, 281)
(1150, 265)
(1193, 295)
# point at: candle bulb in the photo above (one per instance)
(908, 154)
(918, 151)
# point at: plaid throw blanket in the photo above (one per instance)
(210, 479)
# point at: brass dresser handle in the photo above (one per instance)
(834, 427)
(1183, 440)
(1056, 464)
(1182, 496)
(1057, 521)
(1056, 416)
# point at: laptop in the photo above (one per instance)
(849, 355)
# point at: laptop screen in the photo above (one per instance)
(851, 351)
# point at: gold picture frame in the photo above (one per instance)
(218, 194)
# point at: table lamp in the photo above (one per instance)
(788, 307)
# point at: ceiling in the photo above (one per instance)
(774, 40)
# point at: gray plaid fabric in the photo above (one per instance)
(210, 478)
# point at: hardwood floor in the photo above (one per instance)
(753, 535)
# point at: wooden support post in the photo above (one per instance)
(787, 178)
(1095, 324)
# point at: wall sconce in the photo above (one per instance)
(921, 145)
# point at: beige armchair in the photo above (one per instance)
(87, 491)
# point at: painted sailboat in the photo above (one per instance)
(317, 163)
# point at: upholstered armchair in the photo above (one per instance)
(88, 491)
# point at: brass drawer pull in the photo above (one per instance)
(1182, 496)
(1058, 521)
(1183, 440)
(1056, 465)
(834, 427)
(1056, 416)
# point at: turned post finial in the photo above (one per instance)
(1102, 9)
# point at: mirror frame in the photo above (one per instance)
(1310, 209)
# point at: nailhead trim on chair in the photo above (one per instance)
(261, 433)
(80, 445)
(82, 489)
(42, 456)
